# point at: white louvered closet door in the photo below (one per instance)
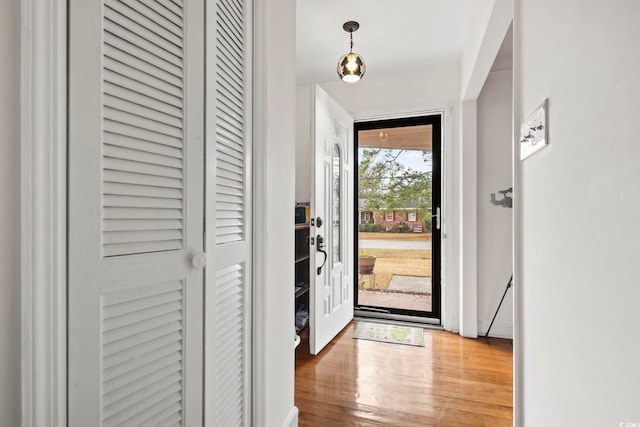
(228, 281)
(136, 206)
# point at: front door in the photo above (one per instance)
(331, 275)
(398, 216)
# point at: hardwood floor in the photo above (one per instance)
(452, 381)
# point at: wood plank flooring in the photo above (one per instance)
(452, 381)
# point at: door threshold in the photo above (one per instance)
(422, 322)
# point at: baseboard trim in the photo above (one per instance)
(292, 419)
(498, 330)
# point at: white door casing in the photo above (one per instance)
(136, 178)
(331, 299)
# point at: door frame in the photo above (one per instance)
(43, 198)
(408, 120)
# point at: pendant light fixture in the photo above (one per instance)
(351, 66)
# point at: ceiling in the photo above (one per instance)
(417, 137)
(394, 35)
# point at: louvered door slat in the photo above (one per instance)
(229, 183)
(168, 105)
(110, 200)
(140, 145)
(144, 418)
(228, 143)
(156, 376)
(230, 167)
(120, 152)
(157, 14)
(232, 125)
(238, 8)
(173, 8)
(141, 248)
(132, 131)
(129, 343)
(169, 416)
(229, 149)
(123, 165)
(144, 237)
(153, 31)
(141, 191)
(134, 369)
(141, 315)
(232, 97)
(230, 158)
(144, 408)
(143, 73)
(139, 213)
(121, 363)
(229, 215)
(115, 38)
(137, 109)
(120, 395)
(232, 192)
(235, 114)
(228, 72)
(141, 179)
(229, 26)
(137, 125)
(163, 74)
(142, 224)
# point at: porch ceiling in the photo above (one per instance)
(408, 138)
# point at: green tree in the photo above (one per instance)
(385, 184)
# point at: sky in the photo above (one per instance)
(412, 159)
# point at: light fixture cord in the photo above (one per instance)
(351, 41)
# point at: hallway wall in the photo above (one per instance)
(578, 281)
(495, 223)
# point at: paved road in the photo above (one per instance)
(394, 244)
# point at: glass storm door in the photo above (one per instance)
(398, 218)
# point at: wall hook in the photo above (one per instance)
(506, 201)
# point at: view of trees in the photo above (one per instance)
(387, 184)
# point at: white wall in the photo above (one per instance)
(578, 281)
(9, 216)
(495, 236)
(275, 183)
(397, 93)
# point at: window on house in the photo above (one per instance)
(412, 216)
(365, 217)
(388, 216)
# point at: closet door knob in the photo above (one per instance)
(199, 260)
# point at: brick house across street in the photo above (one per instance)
(388, 219)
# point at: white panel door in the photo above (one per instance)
(136, 180)
(331, 300)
